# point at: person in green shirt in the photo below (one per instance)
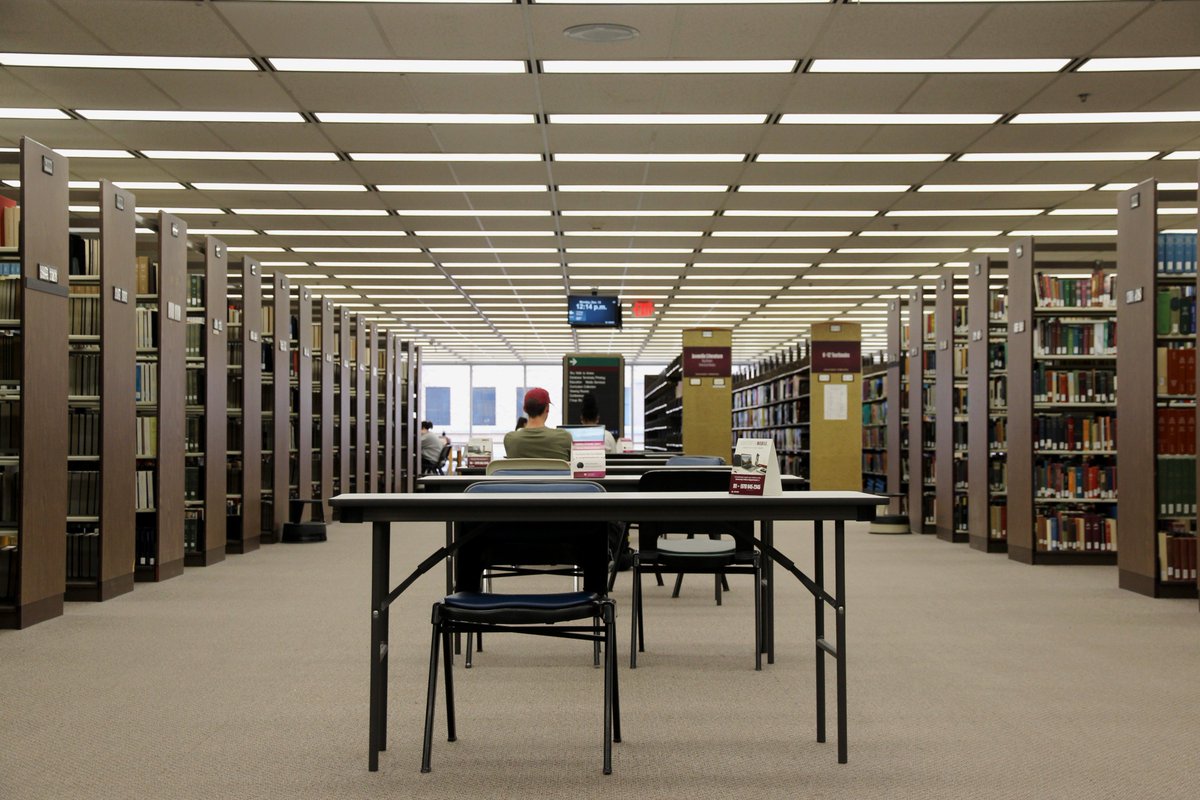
(536, 440)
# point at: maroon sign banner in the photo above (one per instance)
(707, 362)
(836, 356)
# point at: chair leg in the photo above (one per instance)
(758, 623)
(448, 667)
(635, 616)
(608, 699)
(724, 583)
(431, 694)
(717, 586)
(678, 584)
(468, 650)
(611, 654)
(596, 641)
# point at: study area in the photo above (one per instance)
(520, 398)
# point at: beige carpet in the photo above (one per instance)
(971, 677)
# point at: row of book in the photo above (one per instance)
(10, 500)
(83, 493)
(1060, 480)
(83, 555)
(10, 217)
(1076, 531)
(1176, 557)
(10, 291)
(874, 413)
(83, 255)
(1176, 253)
(10, 426)
(83, 432)
(146, 275)
(1176, 481)
(10, 355)
(193, 434)
(781, 389)
(8, 571)
(145, 382)
(998, 433)
(997, 521)
(1075, 432)
(1175, 310)
(193, 337)
(144, 489)
(83, 373)
(1176, 429)
(145, 542)
(1066, 385)
(779, 414)
(146, 322)
(193, 387)
(874, 438)
(146, 435)
(875, 462)
(1059, 337)
(998, 392)
(997, 475)
(193, 530)
(1176, 371)
(195, 290)
(83, 309)
(1094, 291)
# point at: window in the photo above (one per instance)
(483, 405)
(437, 404)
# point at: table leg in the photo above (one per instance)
(767, 534)
(819, 622)
(839, 569)
(450, 581)
(380, 547)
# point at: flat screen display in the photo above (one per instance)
(593, 311)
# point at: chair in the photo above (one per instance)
(429, 468)
(717, 556)
(470, 609)
(695, 461)
(296, 530)
(528, 466)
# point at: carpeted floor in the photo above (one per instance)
(971, 677)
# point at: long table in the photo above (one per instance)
(613, 480)
(383, 509)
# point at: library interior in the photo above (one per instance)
(843, 278)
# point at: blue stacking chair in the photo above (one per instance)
(472, 610)
(695, 461)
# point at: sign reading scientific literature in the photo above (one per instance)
(479, 451)
(587, 452)
(755, 468)
(707, 362)
(836, 356)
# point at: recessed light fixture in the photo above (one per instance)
(653, 158)
(239, 155)
(640, 187)
(32, 113)
(1005, 187)
(666, 66)
(1140, 155)
(1045, 233)
(140, 115)
(850, 158)
(967, 212)
(656, 119)
(78, 60)
(327, 232)
(820, 188)
(419, 118)
(936, 65)
(446, 157)
(788, 213)
(888, 119)
(636, 213)
(279, 187)
(781, 234)
(460, 187)
(1182, 155)
(311, 212)
(1147, 64)
(408, 65)
(1104, 117)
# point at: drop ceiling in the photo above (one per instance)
(467, 232)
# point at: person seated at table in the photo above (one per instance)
(589, 414)
(536, 439)
(431, 447)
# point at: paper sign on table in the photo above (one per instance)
(587, 452)
(479, 451)
(625, 445)
(755, 468)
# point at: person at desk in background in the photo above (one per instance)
(536, 440)
(431, 447)
(589, 414)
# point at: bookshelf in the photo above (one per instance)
(874, 427)
(921, 453)
(409, 425)
(102, 481)
(301, 393)
(243, 501)
(835, 406)
(276, 378)
(159, 396)
(387, 413)
(361, 420)
(771, 401)
(707, 392)
(345, 415)
(987, 316)
(324, 362)
(1061, 386)
(1156, 313)
(34, 485)
(895, 400)
(663, 410)
(371, 420)
(207, 390)
(949, 400)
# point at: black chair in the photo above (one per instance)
(472, 610)
(707, 553)
(430, 468)
(295, 530)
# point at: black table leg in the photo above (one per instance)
(380, 541)
(819, 622)
(450, 581)
(839, 570)
(767, 534)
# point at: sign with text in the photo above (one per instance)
(707, 362)
(601, 375)
(755, 468)
(625, 445)
(643, 308)
(587, 452)
(479, 451)
(836, 356)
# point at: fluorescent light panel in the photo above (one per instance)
(818, 188)
(1147, 64)
(167, 115)
(446, 157)
(936, 65)
(406, 65)
(1105, 117)
(967, 212)
(32, 113)
(668, 66)
(656, 119)
(239, 155)
(312, 212)
(889, 119)
(798, 214)
(472, 212)
(1130, 155)
(84, 61)
(279, 187)
(425, 118)
(850, 158)
(651, 158)
(640, 188)
(1005, 187)
(461, 187)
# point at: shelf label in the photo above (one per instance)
(976, 336)
(119, 200)
(283, 345)
(943, 344)
(47, 273)
(175, 229)
(1133, 295)
(1018, 327)
(48, 165)
(120, 295)
(254, 336)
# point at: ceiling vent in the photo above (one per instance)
(601, 32)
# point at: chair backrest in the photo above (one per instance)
(695, 461)
(582, 544)
(445, 454)
(687, 480)
(528, 466)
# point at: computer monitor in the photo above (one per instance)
(586, 433)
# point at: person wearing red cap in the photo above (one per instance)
(536, 440)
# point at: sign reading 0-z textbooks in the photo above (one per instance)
(601, 375)
(755, 468)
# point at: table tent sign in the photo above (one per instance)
(755, 469)
(587, 452)
(479, 451)
(625, 445)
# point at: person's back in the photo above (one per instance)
(431, 444)
(539, 442)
